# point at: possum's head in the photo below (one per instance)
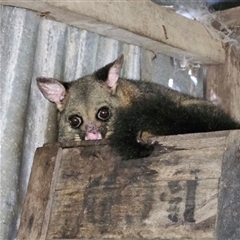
(86, 106)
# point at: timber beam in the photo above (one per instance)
(141, 23)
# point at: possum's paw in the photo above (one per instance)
(137, 150)
(129, 147)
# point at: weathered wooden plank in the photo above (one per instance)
(228, 221)
(224, 81)
(230, 17)
(172, 194)
(140, 23)
(87, 192)
(171, 164)
(35, 215)
(134, 209)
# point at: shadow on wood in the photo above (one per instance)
(82, 190)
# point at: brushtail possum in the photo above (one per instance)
(103, 105)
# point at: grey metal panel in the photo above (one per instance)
(41, 118)
(31, 47)
(165, 68)
(18, 35)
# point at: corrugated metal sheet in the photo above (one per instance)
(18, 40)
(32, 46)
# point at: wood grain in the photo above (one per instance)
(141, 23)
(224, 81)
(36, 207)
(228, 221)
(87, 192)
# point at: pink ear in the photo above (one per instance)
(114, 72)
(52, 89)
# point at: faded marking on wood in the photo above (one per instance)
(171, 194)
(138, 23)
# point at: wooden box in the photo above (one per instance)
(189, 188)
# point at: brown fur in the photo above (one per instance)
(132, 107)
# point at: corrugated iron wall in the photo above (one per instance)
(32, 46)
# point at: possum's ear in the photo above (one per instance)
(53, 90)
(114, 72)
(111, 72)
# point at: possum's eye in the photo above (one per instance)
(75, 121)
(103, 113)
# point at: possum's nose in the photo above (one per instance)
(92, 132)
(91, 126)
